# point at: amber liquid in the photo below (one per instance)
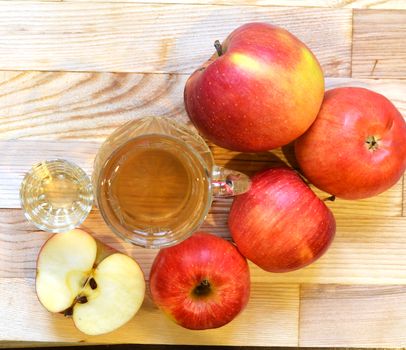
(153, 185)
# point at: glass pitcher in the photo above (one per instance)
(154, 181)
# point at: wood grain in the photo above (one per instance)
(89, 106)
(39, 106)
(83, 106)
(272, 313)
(17, 157)
(367, 4)
(30, 344)
(404, 196)
(355, 295)
(387, 204)
(368, 316)
(379, 44)
(129, 37)
(393, 89)
(367, 251)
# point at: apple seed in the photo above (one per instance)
(68, 312)
(82, 300)
(92, 283)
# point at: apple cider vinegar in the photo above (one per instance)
(153, 185)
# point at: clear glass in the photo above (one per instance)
(154, 181)
(56, 195)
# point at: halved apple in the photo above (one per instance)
(100, 288)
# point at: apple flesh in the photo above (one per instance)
(356, 148)
(280, 224)
(262, 90)
(100, 294)
(203, 282)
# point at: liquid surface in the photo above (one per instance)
(150, 184)
(61, 191)
(153, 186)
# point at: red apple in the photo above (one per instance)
(203, 282)
(262, 90)
(356, 148)
(280, 224)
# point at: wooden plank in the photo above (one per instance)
(21, 241)
(17, 157)
(89, 106)
(386, 204)
(30, 344)
(56, 106)
(271, 316)
(353, 316)
(23, 344)
(128, 37)
(366, 4)
(365, 251)
(379, 44)
(83, 106)
(393, 89)
(404, 196)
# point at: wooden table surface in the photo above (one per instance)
(73, 71)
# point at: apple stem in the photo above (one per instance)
(203, 288)
(92, 283)
(218, 47)
(331, 198)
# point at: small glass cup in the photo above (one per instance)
(56, 195)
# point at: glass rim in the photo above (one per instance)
(207, 174)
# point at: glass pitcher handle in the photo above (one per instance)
(228, 183)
